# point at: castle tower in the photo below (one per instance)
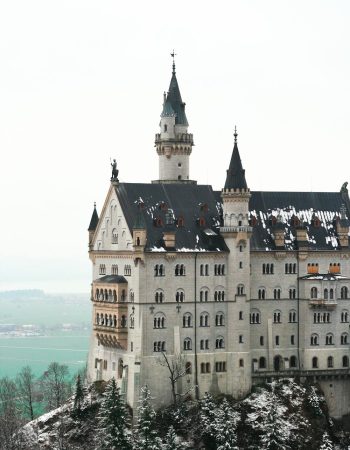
(173, 143)
(236, 232)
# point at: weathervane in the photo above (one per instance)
(235, 134)
(173, 54)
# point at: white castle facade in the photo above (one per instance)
(245, 286)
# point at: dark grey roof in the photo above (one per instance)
(94, 220)
(174, 102)
(194, 205)
(305, 206)
(113, 279)
(236, 174)
(140, 223)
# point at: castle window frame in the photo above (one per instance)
(262, 362)
(268, 269)
(277, 316)
(187, 321)
(344, 317)
(241, 362)
(330, 362)
(314, 292)
(159, 321)
(292, 316)
(261, 340)
(102, 269)
(159, 270)
(240, 289)
(345, 361)
(114, 269)
(180, 270)
(277, 293)
(132, 321)
(204, 344)
(180, 296)
(219, 270)
(219, 343)
(255, 317)
(219, 295)
(293, 361)
(292, 339)
(290, 268)
(344, 292)
(159, 296)
(220, 366)
(277, 340)
(240, 315)
(204, 319)
(292, 293)
(344, 339)
(261, 293)
(159, 346)
(220, 319)
(314, 339)
(205, 367)
(329, 339)
(187, 345)
(127, 270)
(204, 294)
(114, 236)
(314, 362)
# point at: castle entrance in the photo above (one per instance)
(277, 363)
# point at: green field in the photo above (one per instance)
(52, 314)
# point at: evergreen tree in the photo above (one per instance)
(226, 421)
(113, 420)
(171, 441)
(78, 397)
(326, 442)
(207, 414)
(146, 436)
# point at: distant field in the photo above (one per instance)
(50, 313)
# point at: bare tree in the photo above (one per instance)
(26, 387)
(10, 418)
(176, 366)
(56, 387)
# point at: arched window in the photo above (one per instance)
(240, 289)
(156, 270)
(114, 269)
(293, 361)
(187, 320)
(179, 296)
(314, 339)
(220, 319)
(187, 344)
(180, 270)
(204, 320)
(315, 362)
(345, 316)
(277, 316)
(292, 293)
(132, 321)
(97, 319)
(314, 292)
(255, 316)
(159, 296)
(331, 294)
(329, 339)
(132, 295)
(159, 320)
(345, 361)
(277, 294)
(292, 316)
(114, 236)
(204, 295)
(344, 292)
(325, 294)
(262, 362)
(330, 362)
(123, 321)
(219, 342)
(261, 294)
(344, 339)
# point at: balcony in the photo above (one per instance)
(293, 373)
(322, 303)
(186, 138)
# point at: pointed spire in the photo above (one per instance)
(94, 220)
(174, 104)
(235, 178)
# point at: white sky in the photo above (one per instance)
(82, 81)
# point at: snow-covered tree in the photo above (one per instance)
(226, 421)
(269, 422)
(146, 437)
(172, 441)
(326, 442)
(79, 395)
(113, 420)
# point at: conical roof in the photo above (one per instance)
(235, 178)
(174, 102)
(94, 220)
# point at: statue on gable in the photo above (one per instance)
(344, 187)
(115, 171)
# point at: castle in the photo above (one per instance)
(243, 285)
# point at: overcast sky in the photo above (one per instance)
(82, 81)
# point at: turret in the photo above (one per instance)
(173, 143)
(92, 226)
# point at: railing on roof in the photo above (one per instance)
(182, 137)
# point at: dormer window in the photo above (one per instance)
(204, 207)
(253, 221)
(180, 221)
(295, 222)
(157, 221)
(162, 206)
(201, 221)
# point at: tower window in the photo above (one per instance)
(179, 164)
(165, 128)
(179, 177)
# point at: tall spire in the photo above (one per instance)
(94, 219)
(173, 54)
(235, 178)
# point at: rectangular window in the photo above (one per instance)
(131, 346)
(241, 363)
(241, 338)
(277, 340)
(105, 364)
(261, 340)
(241, 315)
(113, 365)
(292, 339)
(96, 362)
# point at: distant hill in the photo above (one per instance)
(22, 294)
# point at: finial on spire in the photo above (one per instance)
(173, 54)
(235, 134)
(94, 205)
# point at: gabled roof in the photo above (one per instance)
(194, 208)
(305, 206)
(174, 103)
(236, 174)
(94, 220)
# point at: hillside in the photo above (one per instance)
(279, 415)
